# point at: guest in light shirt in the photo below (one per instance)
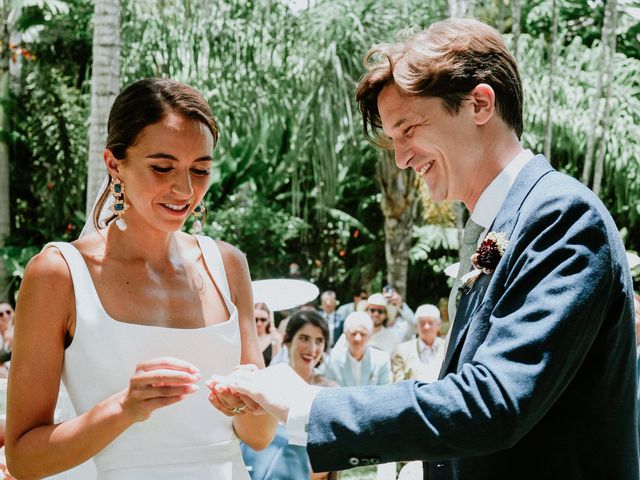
(421, 357)
(359, 364)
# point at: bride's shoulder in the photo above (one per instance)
(48, 267)
(230, 255)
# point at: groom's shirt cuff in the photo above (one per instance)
(298, 419)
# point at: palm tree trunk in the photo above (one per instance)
(596, 109)
(105, 84)
(500, 21)
(516, 13)
(5, 224)
(458, 8)
(552, 63)
(608, 40)
(399, 206)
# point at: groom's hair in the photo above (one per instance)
(447, 60)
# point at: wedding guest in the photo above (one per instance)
(347, 308)
(402, 320)
(328, 311)
(268, 335)
(382, 337)
(6, 337)
(421, 358)
(359, 364)
(306, 339)
(133, 314)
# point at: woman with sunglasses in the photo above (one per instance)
(268, 336)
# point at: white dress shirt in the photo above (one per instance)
(488, 205)
(429, 353)
(356, 367)
(490, 202)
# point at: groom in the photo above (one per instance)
(538, 380)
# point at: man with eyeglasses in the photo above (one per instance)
(382, 338)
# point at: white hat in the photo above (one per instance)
(377, 299)
(428, 310)
(358, 319)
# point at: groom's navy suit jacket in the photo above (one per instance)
(539, 381)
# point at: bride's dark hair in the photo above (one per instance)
(144, 103)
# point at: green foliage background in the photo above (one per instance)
(294, 179)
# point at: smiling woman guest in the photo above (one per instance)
(306, 338)
(135, 313)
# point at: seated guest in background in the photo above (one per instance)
(421, 358)
(359, 364)
(347, 308)
(402, 320)
(333, 318)
(306, 339)
(268, 336)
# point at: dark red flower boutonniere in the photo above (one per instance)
(490, 252)
(486, 258)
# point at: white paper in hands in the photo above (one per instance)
(275, 388)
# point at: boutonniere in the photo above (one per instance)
(486, 258)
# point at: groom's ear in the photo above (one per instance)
(483, 99)
(111, 162)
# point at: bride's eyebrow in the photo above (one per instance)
(168, 156)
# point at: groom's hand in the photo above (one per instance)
(275, 388)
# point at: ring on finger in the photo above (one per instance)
(238, 410)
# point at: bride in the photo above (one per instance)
(135, 314)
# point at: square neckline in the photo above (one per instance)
(229, 305)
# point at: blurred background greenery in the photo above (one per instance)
(295, 181)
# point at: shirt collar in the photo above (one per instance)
(494, 195)
(422, 347)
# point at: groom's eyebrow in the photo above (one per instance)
(168, 156)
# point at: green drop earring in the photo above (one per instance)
(119, 206)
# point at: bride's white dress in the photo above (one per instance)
(187, 440)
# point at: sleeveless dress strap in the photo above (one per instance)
(213, 261)
(83, 288)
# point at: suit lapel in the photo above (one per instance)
(504, 222)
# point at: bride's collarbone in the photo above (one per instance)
(175, 298)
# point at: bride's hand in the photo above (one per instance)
(158, 383)
(228, 401)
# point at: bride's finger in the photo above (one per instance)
(230, 400)
(213, 399)
(248, 401)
